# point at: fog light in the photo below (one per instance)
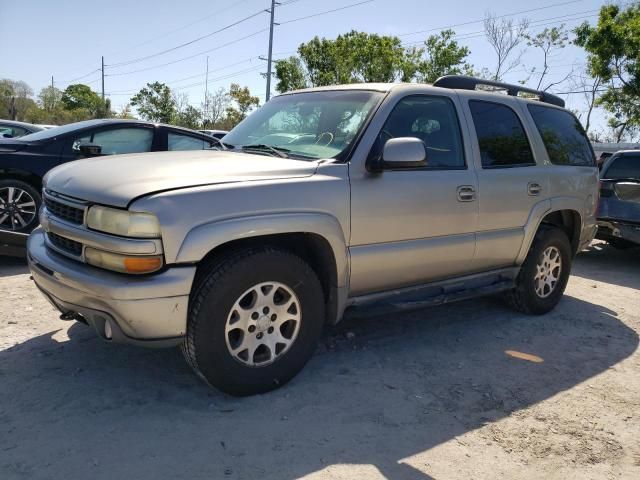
(108, 332)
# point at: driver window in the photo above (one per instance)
(118, 140)
(432, 120)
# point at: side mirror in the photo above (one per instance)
(90, 149)
(404, 152)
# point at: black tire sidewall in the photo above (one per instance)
(213, 359)
(546, 238)
(34, 194)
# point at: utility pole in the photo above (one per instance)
(270, 59)
(52, 83)
(102, 79)
(206, 94)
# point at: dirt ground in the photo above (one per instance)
(443, 393)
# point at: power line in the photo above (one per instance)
(80, 77)
(206, 17)
(190, 42)
(446, 27)
(188, 57)
(325, 12)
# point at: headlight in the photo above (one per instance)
(123, 263)
(123, 222)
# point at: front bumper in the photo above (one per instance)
(610, 229)
(143, 310)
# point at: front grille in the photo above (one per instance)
(63, 211)
(65, 244)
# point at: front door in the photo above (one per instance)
(414, 226)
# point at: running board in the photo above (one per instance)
(435, 293)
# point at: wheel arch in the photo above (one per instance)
(317, 238)
(560, 212)
(24, 175)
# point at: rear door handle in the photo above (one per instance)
(466, 193)
(534, 188)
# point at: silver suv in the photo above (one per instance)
(320, 200)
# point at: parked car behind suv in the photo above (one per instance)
(25, 160)
(13, 129)
(321, 200)
(619, 210)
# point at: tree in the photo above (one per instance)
(80, 97)
(15, 101)
(125, 112)
(548, 41)
(504, 36)
(290, 74)
(444, 56)
(589, 87)
(613, 46)
(49, 99)
(214, 107)
(244, 102)
(155, 103)
(186, 115)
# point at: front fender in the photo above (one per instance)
(204, 238)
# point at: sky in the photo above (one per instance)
(142, 40)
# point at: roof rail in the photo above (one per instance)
(464, 82)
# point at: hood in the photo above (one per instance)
(117, 180)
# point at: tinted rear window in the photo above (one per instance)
(563, 136)
(624, 167)
(501, 137)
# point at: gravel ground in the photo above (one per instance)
(469, 390)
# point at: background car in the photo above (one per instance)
(619, 208)
(13, 129)
(215, 133)
(24, 161)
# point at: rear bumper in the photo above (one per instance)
(611, 229)
(141, 310)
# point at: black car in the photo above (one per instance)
(13, 129)
(25, 160)
(619, 207)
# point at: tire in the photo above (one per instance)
(19, 206)
(535, 297)
(227, 292)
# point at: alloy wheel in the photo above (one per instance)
(548, 272)
(17, 208)
(263, 324)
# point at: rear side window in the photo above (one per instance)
(501, 137)
(563, 136)
(175, 141)
(624, 167)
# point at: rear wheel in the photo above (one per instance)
(544, 274)
(255, 318)
(19, 204)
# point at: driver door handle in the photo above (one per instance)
(466, 193)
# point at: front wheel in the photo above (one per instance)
(19, 204)
(255, 319)
(544, 274)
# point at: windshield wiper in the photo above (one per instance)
(278, 151)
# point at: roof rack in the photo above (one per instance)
(464, 82)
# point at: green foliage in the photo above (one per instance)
(444, 56)
(613, 46)
(14, 99)
(155, 103)
(363, 57)
(244, 102)
(547, 41)
(80, 97)
(189, 117)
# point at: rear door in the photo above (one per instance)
(510, 183)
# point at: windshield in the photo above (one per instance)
(311, 125)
